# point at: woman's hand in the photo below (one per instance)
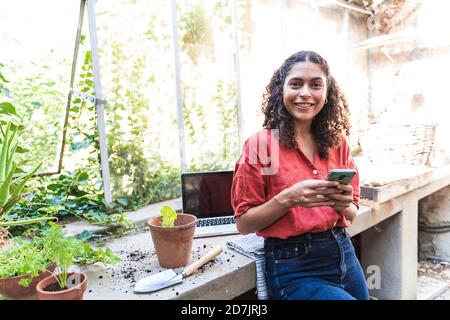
(342, 198)
(308, 193)
(344, 201)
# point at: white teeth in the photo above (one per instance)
(304, 105)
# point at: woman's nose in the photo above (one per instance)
(305, 91)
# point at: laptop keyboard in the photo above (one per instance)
(206, 222)
(216, 226)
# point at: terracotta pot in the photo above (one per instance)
(74, 292)
(11, 289)
(173, 245)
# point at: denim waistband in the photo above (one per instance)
(310, 236)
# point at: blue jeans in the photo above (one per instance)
(314, 266)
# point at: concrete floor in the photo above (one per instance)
(434, 280)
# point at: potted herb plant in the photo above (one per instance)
(172, 236)
(22, 265)
(65, 251)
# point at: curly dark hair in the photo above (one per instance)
(328, 124)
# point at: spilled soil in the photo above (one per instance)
(137, 263)
(133, 263)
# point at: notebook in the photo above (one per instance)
(207, 195)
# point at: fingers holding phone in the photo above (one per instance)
(310, 193)
(343, 194)
(344, 191)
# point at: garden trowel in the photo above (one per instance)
(168, 277)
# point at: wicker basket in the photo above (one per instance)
(406, 144)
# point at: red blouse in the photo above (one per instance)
(267, 167)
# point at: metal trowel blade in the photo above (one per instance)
(158, 281)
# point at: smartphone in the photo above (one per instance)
(343, 176)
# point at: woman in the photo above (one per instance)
(280, 190)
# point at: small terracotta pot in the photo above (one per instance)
(75, 292)
(11, 288)
(173, 245)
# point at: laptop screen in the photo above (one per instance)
(207, 194)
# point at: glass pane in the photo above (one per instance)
(38, 69)
(261, 54)
(137, 74)
(82, 142)
(208, 77)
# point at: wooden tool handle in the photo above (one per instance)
(190, 269)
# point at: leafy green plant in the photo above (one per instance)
(31, 257)
(2, 78)
(10, 190)
(89, 255)
(11, 185)
(65, 251)
(61, 249)
(67, 196)
(22, 258)
(168, 217)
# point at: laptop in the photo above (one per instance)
(207, 195)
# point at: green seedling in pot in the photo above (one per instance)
(22, 259)
(168, 217)
(66, 250)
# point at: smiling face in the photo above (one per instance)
(304, 92)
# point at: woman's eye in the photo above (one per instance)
(295, 84)
(317, 85)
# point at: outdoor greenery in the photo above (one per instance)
(144, 164)
(39, 104)
(141, 103)
(12, 178)
(77, 193)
